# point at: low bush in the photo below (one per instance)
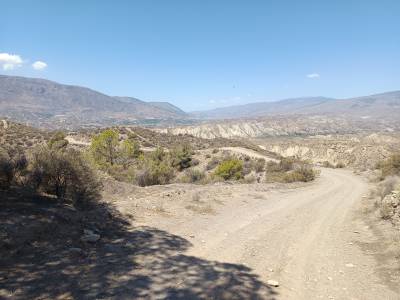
(230, 169)
(212, 163)
(13, 164)
(302, 174)
(181, 157)
(6, 169)
(385, 187)
(289, 170)
(259, 165)
(193, 175)
(327, 164)
(340, 165)
(58, 141)
(153, 174)
(64, 174)
(391, 166)
(284, 165)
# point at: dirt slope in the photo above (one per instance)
(306, 238)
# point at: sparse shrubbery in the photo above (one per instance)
(259, 165)
(212, 163)
(155, 169)
(129, 151)
(289, 170)
(6, 169)
(154, 172)
(64, 174)
(58, 141)
(339, 165)
(230, 169)
(13, 165)
(391, 166)
(181, 157)
(385, 187)
(389, 180)
(52, 169)
(301, 174)
(193, 175)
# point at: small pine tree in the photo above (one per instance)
(104, 147)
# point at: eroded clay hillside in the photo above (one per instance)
(362, 151)
(283, 126)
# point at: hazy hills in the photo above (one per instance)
(385, 105)
(49, 104)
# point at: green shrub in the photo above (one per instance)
(58, 141)
(104, 147)
(129, 151)
(153, 172)
(64, 174)
(155, 169)
(230, 169)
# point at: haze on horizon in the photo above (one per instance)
(205, 55)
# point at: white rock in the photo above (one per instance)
(349, 265)
(273, 283)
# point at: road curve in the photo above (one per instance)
(303, 238)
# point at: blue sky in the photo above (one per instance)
(205, 54)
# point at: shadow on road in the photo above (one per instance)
(42, 257)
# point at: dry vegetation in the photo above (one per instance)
(19, 136)
(386, 194)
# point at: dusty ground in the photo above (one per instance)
(311, 239)
(219, 241)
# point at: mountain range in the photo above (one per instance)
(45, 103)
(385, 105)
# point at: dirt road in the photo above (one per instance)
(305, 238)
